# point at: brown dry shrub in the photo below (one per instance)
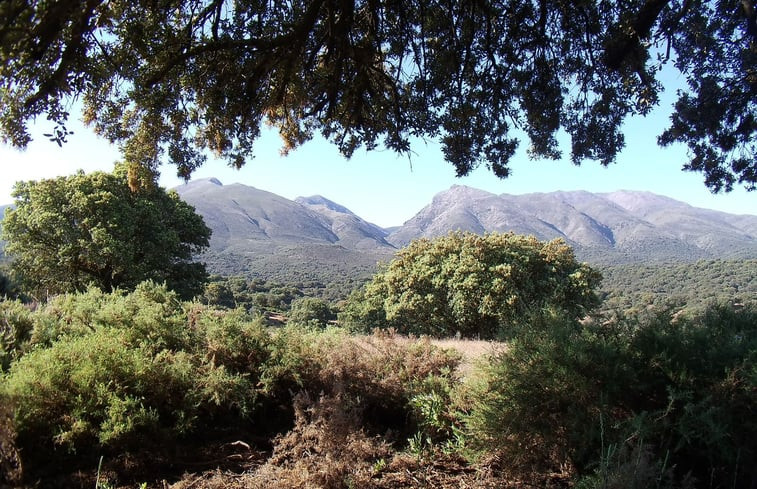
(326, 449)
(375, 376)
(382, 367)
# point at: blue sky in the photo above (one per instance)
(388, 190)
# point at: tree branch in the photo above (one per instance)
(295, 36)
(619, 49)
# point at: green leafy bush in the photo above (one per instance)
(16, 326)
(151, 314)
(307, 309)
(679, 390)
(117, 370)
(473, 286)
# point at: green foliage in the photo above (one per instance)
(151, 314)
(310, 310)
(252, 295)
(672, 391)
(477, 286)
(98, 372)
(219, 294)
(69, 232)
(119, 371)
(632, 288)
(9, 289)
(157, 80)
(16, 326)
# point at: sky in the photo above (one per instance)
(387, 189)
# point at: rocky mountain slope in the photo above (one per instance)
(261, 234)
(619, 227)
(240, 215)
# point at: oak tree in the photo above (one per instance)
(475, 286)
(69, 232)
(171, 79)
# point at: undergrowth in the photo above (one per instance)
(663, 399)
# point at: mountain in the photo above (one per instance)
(262, 234)
(352, 231)
(612, 228)
(239, 214)
(315, 240)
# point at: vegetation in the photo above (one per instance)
(655, 397)
(474, 286)
(660, 400)
(156, 77)
(252, 295)
(311, 310)
(634, 287)
(69, 232)
(113, 372)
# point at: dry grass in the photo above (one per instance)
(471, 350)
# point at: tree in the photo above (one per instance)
(311, 310)
(474, 285)
(69, 232)
(170, 79)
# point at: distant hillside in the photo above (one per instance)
(619, 227)
(315, 240)
(241, 215)
(260, 234)
(636, 286)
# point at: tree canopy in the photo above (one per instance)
(171, 79)
(475, 286)
(67, 233)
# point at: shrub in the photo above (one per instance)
(680, 389)
(119, 370)
(307, 309)
(376, 376)
(16, 326)
(151, 315)
(473, 286)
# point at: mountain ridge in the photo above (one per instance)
(625, 226)
(256, 232)
(604, 228)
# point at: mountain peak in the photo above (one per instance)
(202, 183)
(319, 200)
(461, 193)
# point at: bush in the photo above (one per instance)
(151, 315)
(679, 390)
(376, 376)
(101, 389)
(117, 370)
(307, 309)
(473, 286)
(16, 326)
